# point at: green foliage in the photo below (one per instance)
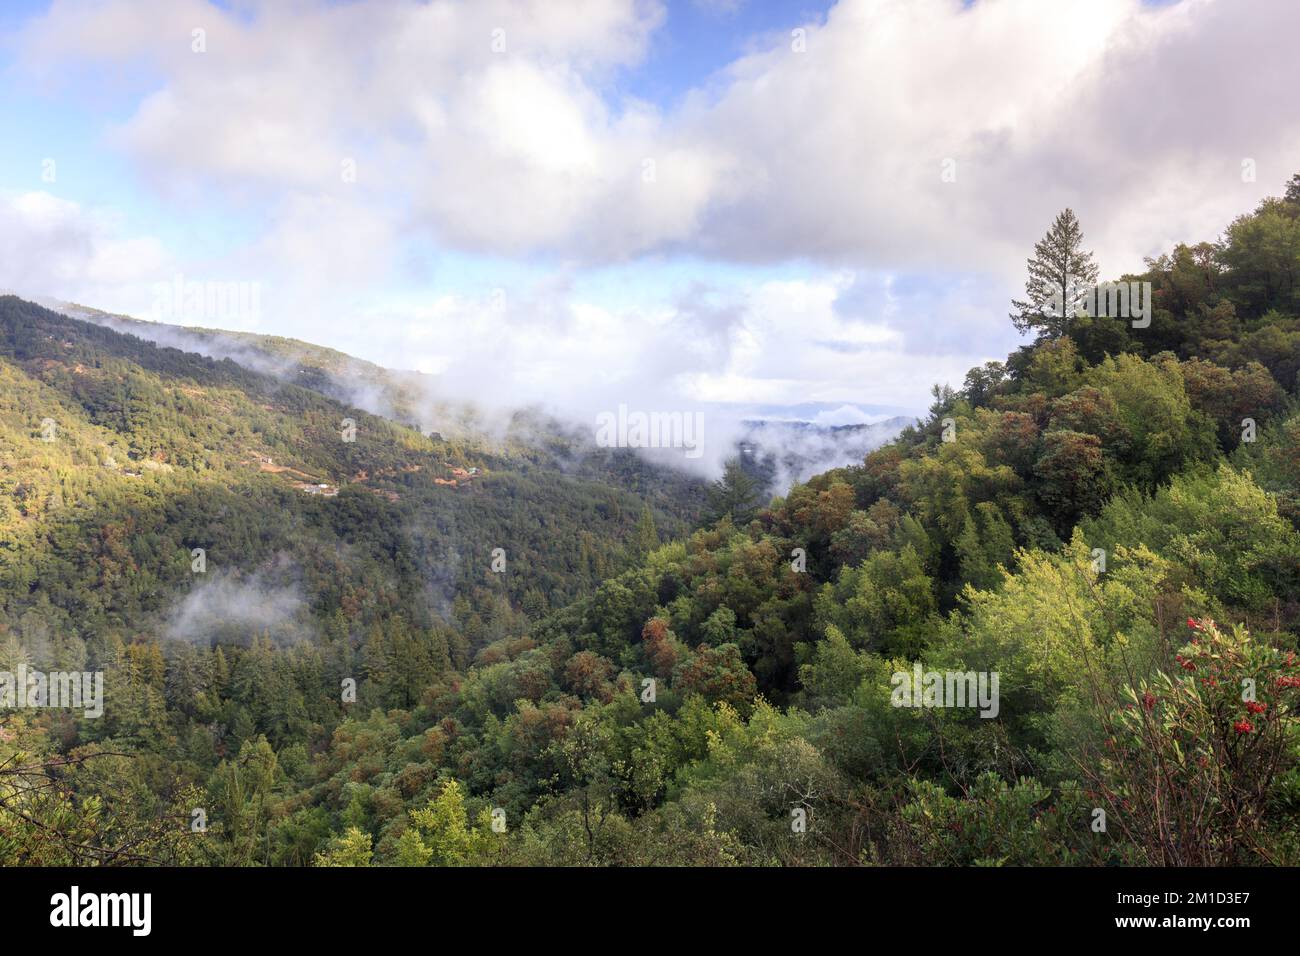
(992, 823)
(626, 693)
(1161, 435)
(352, 848)
(883, 605)
(441, 834)
(1221, 528)
(735, 496)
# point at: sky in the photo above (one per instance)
(589, 203)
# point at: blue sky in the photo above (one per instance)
(665, 204)
(699, 38)
(72, 124)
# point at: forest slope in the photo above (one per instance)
(1106, 523)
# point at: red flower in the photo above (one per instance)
(1255, 707)
(1193, 625)
(1149, 700)
(1243, 726)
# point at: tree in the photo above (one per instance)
(1073, 475)
(719, 627)
(718, 674)
(982, 383)
(1293, 190)
(883, 604)
(834, 669)
(588, 675)
(1259, 253)
(1059, 269)
(350, 849)
(243, 788)
(661, 647)
(446, 835)
(646, 536)
(736, 495)
(1160, 433)
(587, 770)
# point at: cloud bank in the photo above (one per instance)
(840, 215)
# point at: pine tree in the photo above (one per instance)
(379, 670)
(1059, 269)
(736, 495)
(647, 536)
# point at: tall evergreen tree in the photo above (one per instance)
(646, 535)
(736, 495)
(1059, 269)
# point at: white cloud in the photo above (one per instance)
(846, 415)
(48, 243)
(1137, 116)
(1133, 114)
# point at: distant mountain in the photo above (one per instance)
(782, 444)
(405, 396)
(782, 452)
(121, 454)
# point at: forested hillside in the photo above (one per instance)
(406, 397)
(1109, 521)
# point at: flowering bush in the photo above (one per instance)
(1188, 760)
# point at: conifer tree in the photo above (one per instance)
(1059, 269)
(736, 495)
(647, 536)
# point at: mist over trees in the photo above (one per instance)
(1108, 520)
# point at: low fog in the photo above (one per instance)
(793, 442)
(228, 607)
